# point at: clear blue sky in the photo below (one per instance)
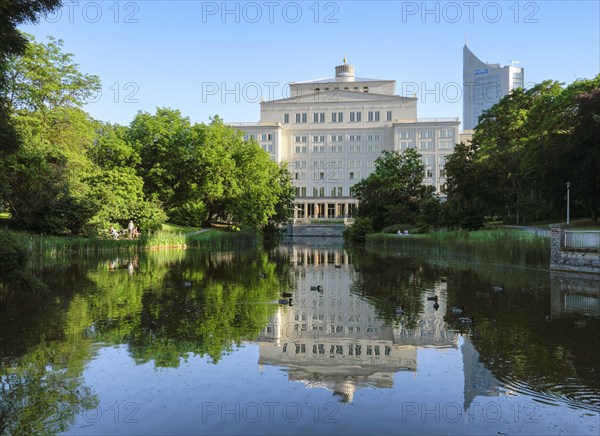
(206, 58)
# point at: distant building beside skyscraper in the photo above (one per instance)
(484, 85)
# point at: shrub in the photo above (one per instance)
(359, 230)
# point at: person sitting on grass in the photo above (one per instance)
(113, 232)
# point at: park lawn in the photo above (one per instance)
(585, 224)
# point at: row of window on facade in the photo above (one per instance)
(338, 191)
(337, 117)
(346, 88)
(338, 138)
(335, 149)
(340, 350)
(428, 160)
(329, 176)
(340, 318)
(426, 133)
(338, 176)
(262, 136)
(427, 145)
(300, 149)
(331, 165)
(404, 134)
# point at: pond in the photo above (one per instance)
(185, 342)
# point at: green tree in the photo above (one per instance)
(525, 148)
(111, 148)
(45, 78)
(163, 142)
(72, 174)
(503, 135)
(263, 191)
(563, 146)
(466, 183)
(119, 196)
(45, 180)
(206, 173)
(394, 193)
(13, 43)
(358, 231)
(116, 188)
(45, 194)
(586, 140)
(284, 206)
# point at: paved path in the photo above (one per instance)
(197, 232)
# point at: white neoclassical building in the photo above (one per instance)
(330, 131)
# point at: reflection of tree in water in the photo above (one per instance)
(43, 392)
(170, 305)
(205, 308)
(525, 351)
(390, 282)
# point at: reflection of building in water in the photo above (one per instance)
(574, 293)
(334, 338)
(479, 380)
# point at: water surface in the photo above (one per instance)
(185, 342)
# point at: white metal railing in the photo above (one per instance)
(589, 239)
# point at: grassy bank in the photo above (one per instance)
(503, 245)
(171, 237)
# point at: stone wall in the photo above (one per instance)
(565, 259)
(316, 230)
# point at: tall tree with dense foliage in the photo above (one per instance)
(503, 136)
(46, 191)
(13, 43)
(72, 174)
(163, 143)
(261, 190)
(394, 193)
(205, 173)
(466, 203)
(565, 147)
(524, 150)
(45, 78)
(115, 187)
(586, 141)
